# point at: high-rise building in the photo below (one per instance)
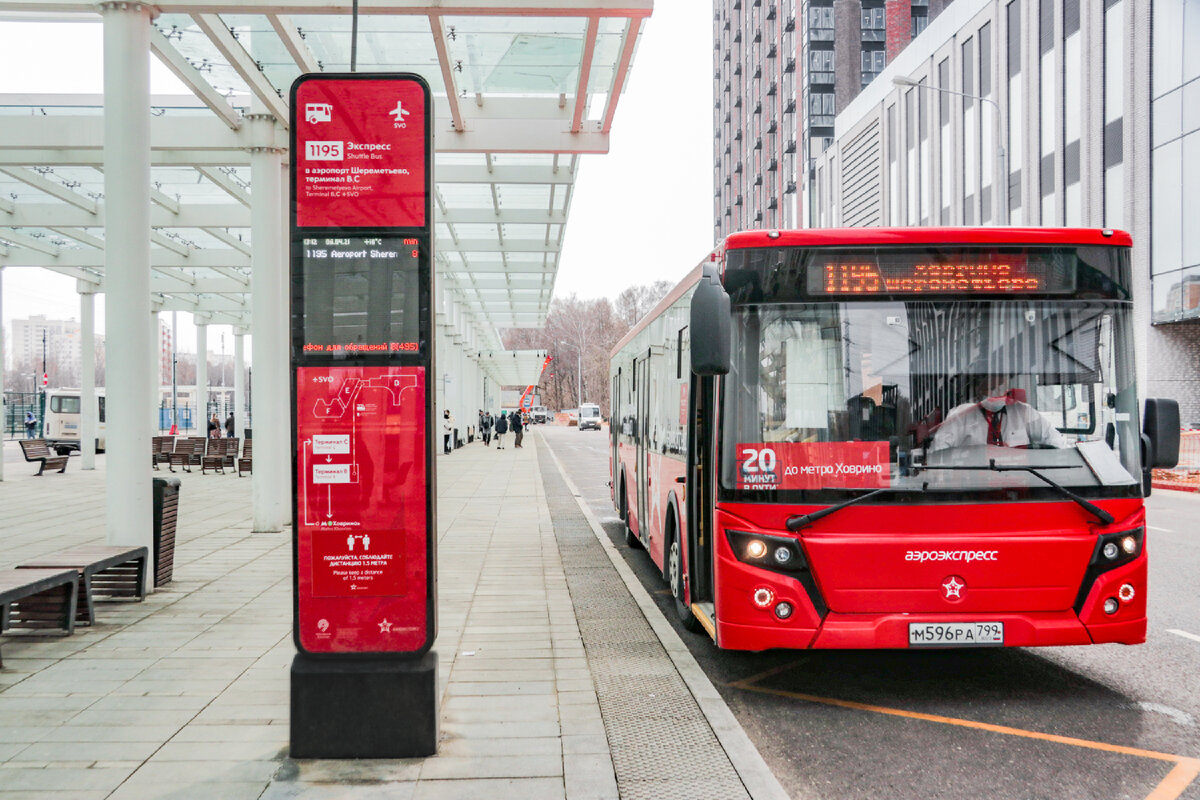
(782, 70)
(1045, 113)
(55, 339)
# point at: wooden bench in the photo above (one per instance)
(102, 570)
(38, 598)
(36, 450)
(161, 448)
(215, 457)
(187, 453)
(246, 461)
(231, 452)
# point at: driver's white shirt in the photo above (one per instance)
(1020, 426)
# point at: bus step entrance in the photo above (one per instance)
(706, 613)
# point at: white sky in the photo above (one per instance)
(641, 213)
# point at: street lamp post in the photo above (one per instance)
(1001, 179)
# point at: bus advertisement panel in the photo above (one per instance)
(907, 438)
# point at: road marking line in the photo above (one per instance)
(1177, 780)
(1156, 528)
(1184, 634)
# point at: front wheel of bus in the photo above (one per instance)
(675, 579)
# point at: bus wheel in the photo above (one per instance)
(675, 581)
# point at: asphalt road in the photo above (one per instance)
(1107, 721)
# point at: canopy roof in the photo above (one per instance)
(522, 88)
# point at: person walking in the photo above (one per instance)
(229, 426)
(501, 429)
(447, 430)
(30, 425)
(518, 427)
(214, 428)
(485, 428)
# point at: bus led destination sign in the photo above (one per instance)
(846, 278)
(982, 271)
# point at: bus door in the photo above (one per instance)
(614, 430)
(700, 495)
(643, 441)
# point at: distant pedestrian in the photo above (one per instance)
(518, 427)
(447, 431)
(30, 425)
(485, 427)
(501, 429)
(229, 426)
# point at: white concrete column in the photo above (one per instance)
(155, 375)
(3, 406)
(87, 376)
(270, 392)
(201, 410)
(127, 270)
(239, 383)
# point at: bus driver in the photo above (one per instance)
(1000, 417)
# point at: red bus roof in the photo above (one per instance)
(834, 237)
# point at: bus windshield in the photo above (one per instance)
(825, 401)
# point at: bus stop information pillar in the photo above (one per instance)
(364, 679)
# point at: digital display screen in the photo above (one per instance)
(359, 295)
(968, 272)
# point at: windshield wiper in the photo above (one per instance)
(799, 521)
(1100, 513)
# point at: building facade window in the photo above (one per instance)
(1175, 162)
(893, 169)
(1049, 108)
(1072, 113)
(944, 148)
(970, 140)
(911, 177)
(987, 126)
(1016, 116)
(1114, 114)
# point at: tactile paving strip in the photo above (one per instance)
(662, 746)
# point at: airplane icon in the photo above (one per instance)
(399, 112)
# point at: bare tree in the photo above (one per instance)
(579, 335)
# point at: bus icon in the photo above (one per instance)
(318, 112)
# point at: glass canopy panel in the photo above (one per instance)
(517, 195)
(260, 41)
(194, 45)
(525, 160)
(527, 56)
(466, 195)
(391, 43)
(609, 40)
(524, 231)
(475, 230)
(459, 160)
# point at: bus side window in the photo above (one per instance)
(101, 399)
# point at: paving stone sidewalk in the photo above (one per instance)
(185, 695)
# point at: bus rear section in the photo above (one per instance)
(896, 438)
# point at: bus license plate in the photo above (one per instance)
(956, 634)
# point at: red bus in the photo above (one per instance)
(891, 438)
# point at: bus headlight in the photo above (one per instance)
(775, 553)
(1110, 550)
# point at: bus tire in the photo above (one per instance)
(675, 580)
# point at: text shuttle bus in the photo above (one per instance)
(799, 439)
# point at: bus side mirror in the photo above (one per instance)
(1160, 423)
(710, 325)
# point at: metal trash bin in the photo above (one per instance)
(166, 514)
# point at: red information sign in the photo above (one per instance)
(361, 510)
(360, 153)
(813, 465)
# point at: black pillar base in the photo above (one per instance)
(377, 708)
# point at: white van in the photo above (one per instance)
(61, 430)
(538, 414)
(589, 416)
